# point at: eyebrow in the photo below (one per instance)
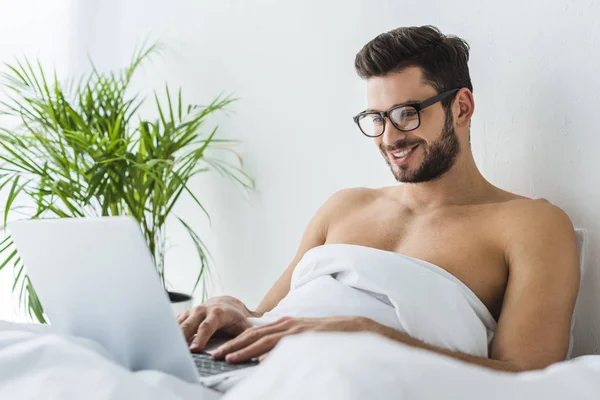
(405, 103)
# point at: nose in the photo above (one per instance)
(390, 134)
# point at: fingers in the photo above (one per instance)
(258, 348)
(257, 341)
(189, 325)
(182, 316)
(248, 337)
(261, 358)
(205, 331)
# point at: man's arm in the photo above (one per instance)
(534, 326)
(535, 322)
(315, 235)
(230, 315)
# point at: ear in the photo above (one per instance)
(463, 107)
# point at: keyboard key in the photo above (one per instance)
(208, 366)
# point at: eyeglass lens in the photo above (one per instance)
(404, 118)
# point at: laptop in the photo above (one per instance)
(96, 279)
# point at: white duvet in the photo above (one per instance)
(35, 364)
(407, 294)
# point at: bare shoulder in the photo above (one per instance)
(537, 227)
(352, 197)
(542, 282)
(344, 203)
(523, 214)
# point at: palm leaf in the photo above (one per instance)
(81, 149)
(201, 250)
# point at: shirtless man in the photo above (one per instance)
(518, 255)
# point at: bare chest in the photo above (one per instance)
(461, 242)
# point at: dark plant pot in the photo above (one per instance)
(180, 301)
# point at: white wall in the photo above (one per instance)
(36, 29)
(534, 67)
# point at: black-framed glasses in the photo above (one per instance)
(404, 117)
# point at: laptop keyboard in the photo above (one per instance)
(208, 366)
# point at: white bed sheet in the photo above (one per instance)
(355, 366)
(35, 364)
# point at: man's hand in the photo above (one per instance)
(258, 341)
(224, 314)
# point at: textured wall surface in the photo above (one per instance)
(42, 30)
(534, 67)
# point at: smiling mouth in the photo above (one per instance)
(400, 156)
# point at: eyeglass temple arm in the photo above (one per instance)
(421, 105)
(437, 98)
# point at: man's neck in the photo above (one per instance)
(462, 184)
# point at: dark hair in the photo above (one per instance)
(443, 59)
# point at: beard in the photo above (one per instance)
(438, 157)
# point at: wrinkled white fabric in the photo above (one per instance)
(408, 294)
(405, 293)
(358, 366)
(37, 364)
(348, 366)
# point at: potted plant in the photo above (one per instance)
(81, 149)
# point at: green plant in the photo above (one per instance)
(81, 149)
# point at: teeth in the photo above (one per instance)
(402, 153)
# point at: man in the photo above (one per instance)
(517, 255)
